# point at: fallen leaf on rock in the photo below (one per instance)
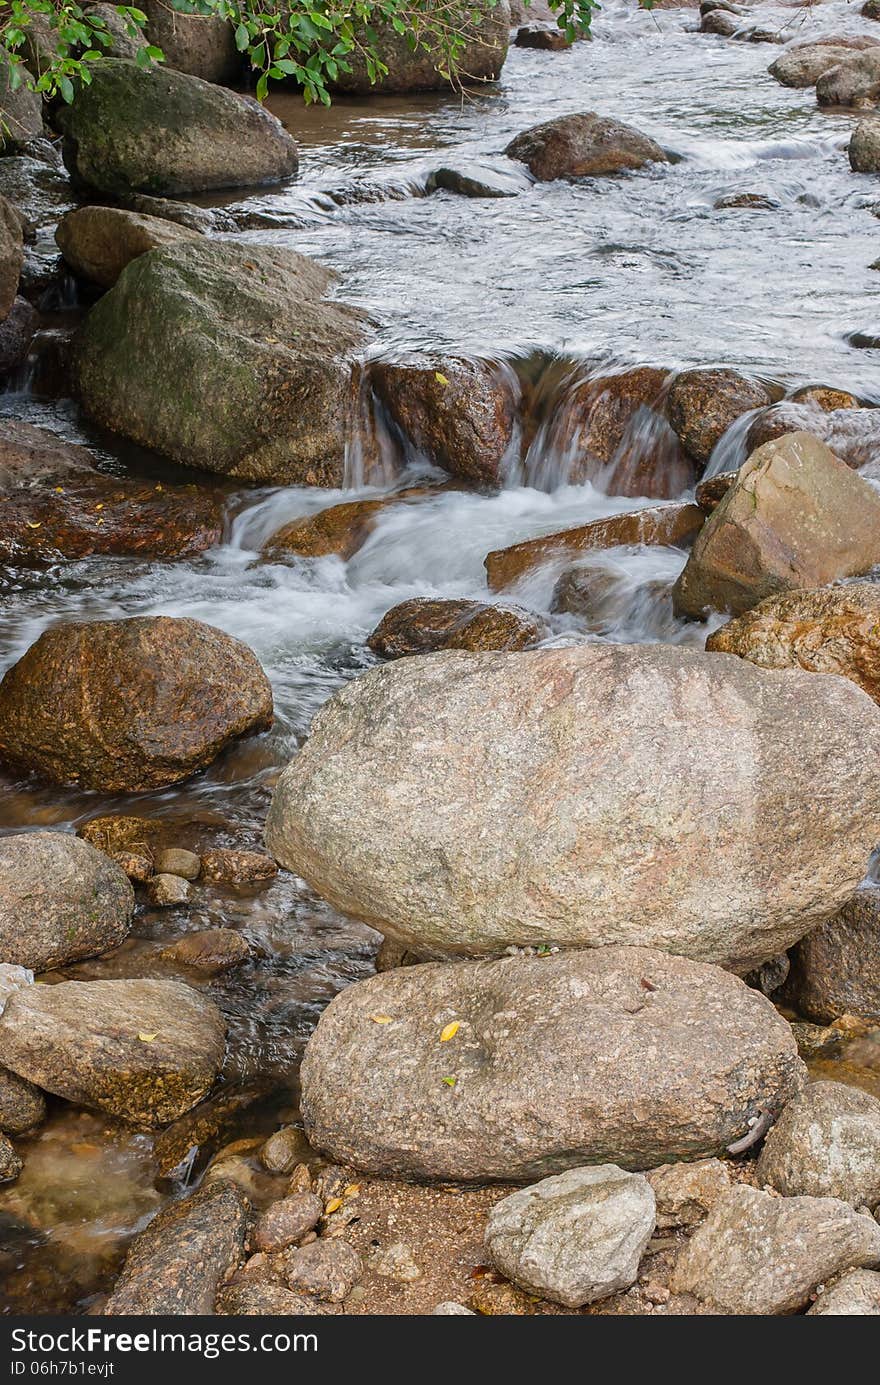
(449, 1032)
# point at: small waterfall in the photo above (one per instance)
(373, 454)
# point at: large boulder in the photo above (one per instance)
(583, 146)
(486, 32)
(178, 1263)
(128, 705)
(161, 132)
(824, 630)
(802, 66)
(853, 82)
(98, 242)
(57, 505)
(826, 1143)
(21, 108)
(575, 1237)
(673, 524)
(618, 1055)
(11, 255)
(16, 334)
(460, 414)
(467, 802)
(226, 357)
(702, 404)
(145, 1051)
(60, 900)
(759, 1254)
(201, 45)
(864, 146)
(795, 517)
(835, 970)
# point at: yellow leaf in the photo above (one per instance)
(59, 490)
(352, 1190)
(381, 1019)
(440, 378)
(333, 1206)
(33, 526)
(100, 507)
(450, 1081)
(449, 1032)
(147, 1038)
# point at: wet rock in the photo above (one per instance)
(340, 530)
(853, 82)
(205, 220)
(139, 869)
(827, 630)
(826, 1143)
(828, 399)
(448, 834)
(287, 1221)
(11, 1163)
(205, 1128)
(477, 180)
(283, 1151)
(327, 1269)
(98, 242)
(871, 9)
(56, 506)
(213, 951)
(21, 110)
(702, 404)
(835, 969)
(853, 435)
(38, 192)
(685, 1193)
(423, 625)
(460, 414)
(225, 356)
(163, 133)
(167, 891)
(576, 1237)
(583, 146)
(710, 491)
(542, 36)
(492, 1103)
(130, 704)
(117, 834)
(16, 334)
(179, 1262)
(11, 256)
(675, 525)
(719, 21)
(60, 900)
(259, 1299)
(754, 201)
(606, 599)
(145, 1051)
(199, 45)
(22, 1105)
(796, 517)
(864, 147)
(803, 66)
(758, 1254)
(174, 861)
(857, 1292)
(486, 37)
(227, 866)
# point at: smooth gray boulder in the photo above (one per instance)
(575, 1237)
(60, 900)
(647, 795)
(826, 1143)
(615, 1055)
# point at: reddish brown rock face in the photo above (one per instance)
(423, 625)
(340, 530)
(853, 434)
(582, 146)
(702, 404)
(130, 704)
(835, 969)
(458, 413)
(663, 524)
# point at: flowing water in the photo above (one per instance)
(588, 277)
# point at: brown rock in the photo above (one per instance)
(660, 524)
(422, 625)
(857, 1292)
(258, 1300)
(174, 861)
(283, 1151)
(16, 334)
(796, 517)
(853, 82)
(120, 833)
(582, 146)
(22, 1105)
(138, 868)
(340, 530)
(758, 1254)
(803, 65)
(11, 256)
(98, 242)
(864, 146)
(710, 491)
(179, 1262)
(167, 891)
(227, 866)
(685, 1193)
(542, 36)
(852, 434)
(130, 704)
(201, 45)
(327, 1269)
(287, 1221)
(827, 630)
(828, 399)
(11, 1163)
(702, 404)
(145, 1051)
(663, 1058)
(835, 969)
(753, 201)
(212, 951)
(458, 413)
(826, 1143)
